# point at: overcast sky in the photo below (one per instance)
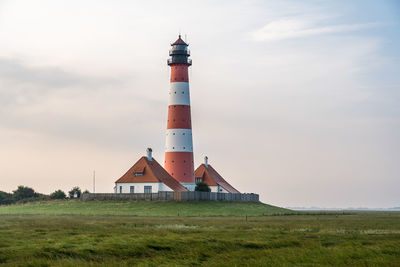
(298, 101)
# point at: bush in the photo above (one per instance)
(74, 190)
(23, 192)
(59, 194)
(6, 198)
(202, 187)
(37, 197)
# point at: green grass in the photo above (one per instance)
(144, 208)
(347, 240)
(56, 239)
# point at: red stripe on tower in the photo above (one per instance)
(179, 142)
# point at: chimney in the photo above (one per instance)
(149, 156)
(206, 161)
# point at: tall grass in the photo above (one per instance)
(318, 240)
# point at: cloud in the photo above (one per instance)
(289, 28)
(23, 85)
(17, 72)
(54, 101)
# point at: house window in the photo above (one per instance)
(138, 173)
(120, 189)
(147, 188)
(132, 189)
(197, 180)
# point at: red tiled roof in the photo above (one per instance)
(153, 172)
(204, 175)
(179, 41)
(211, 177)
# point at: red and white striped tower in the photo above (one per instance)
(179, 144)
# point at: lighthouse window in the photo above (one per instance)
(175, 92)
(184, 148)
(183, 134)
(184, 161)
(183, 92)
(173, 147)
(173, 161)
(174, 133)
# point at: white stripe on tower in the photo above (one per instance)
(179, 94)
(179, 140)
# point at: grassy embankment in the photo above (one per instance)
(144, 208)
(361, 239)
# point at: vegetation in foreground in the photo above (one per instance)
(24, 194)
(144, 208)
(371, 239)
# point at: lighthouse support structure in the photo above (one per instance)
(179, 141)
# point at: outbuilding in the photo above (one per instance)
(205, 173)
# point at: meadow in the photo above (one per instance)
(35, 237)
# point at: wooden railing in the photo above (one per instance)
(177, 196)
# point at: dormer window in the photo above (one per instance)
(198, 180)
(138, 171)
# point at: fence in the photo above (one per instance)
(177, 196)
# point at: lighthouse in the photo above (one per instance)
(178, 175)
(179, 141)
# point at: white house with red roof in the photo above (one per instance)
(205, 173)
(147, 176)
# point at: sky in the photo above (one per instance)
(298, 101)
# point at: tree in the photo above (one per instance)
(5, 198)
(202, 187)
(86, 192)
(75, 191)
(23, 192)
(59, 194)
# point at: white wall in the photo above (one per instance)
(163, 187)
(139, 187)
(189, 186)
(217, 189)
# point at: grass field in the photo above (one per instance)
(145, 208)
(360, 239)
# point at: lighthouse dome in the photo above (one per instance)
(179, 41)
